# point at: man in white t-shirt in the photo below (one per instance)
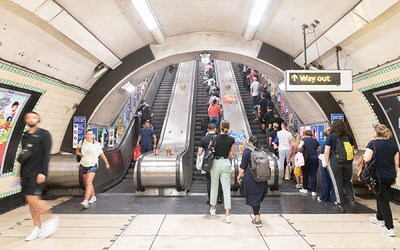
(285, 138)
(255, 89)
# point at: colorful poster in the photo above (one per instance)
(124, 118)
(95, 133)
(100, 136)
(282, 106)
(321, 138)
(128, 111)
(295, 126)
(272, 89)
(116, 134)
(120, 126)
(229, 99)
(106, 138)
(79, 130)
(302, 131)
(111, 137)
(11, 104)
(314, 131)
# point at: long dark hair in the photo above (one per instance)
(338, 127)
(255, 141)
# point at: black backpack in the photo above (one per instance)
(260, 169)
(344, 150)
(209, 155)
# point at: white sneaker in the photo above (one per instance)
(85, 204)
(49, 227)
(92, 199)
(388, 232)
(34, 234)
(213, 211)
(319, 199)
(298, 185)
(304, 191)
(228, 219)
(374, 220)
(314, 193)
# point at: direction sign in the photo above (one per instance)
(318, 80)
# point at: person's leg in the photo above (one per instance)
(287, 168)
(336, 173)
(331, 189)
(347, 182)
(281, 163)
(313, 174)
(306, 172)
(38, 207)
(208, 177)
(324, 184)
(226, 188)
(256, 211)
(89, 185)
(215, 173)
(383, 204)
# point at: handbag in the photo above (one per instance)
(209, 156)
(26, 151)
(367, 173)
(137, 152)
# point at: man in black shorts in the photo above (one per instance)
(33, 176)
(204, 143)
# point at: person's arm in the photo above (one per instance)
(270, 126)
(138, 140)
(41, 177)
(270, 141)
(105, 160)
(301, 144)
(396, 162)
(231, 151)
(368, 154)
(326, 154)
(200, 151)
(78, 151)
(251, 91)
(155, 141)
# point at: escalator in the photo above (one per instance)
(160, 104)
(248, 105)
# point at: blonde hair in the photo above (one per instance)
(225, 127)
(276, 125)
(382, 131)
(296, 140)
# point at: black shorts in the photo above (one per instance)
(30, 187)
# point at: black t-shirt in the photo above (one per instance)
(204, 127)
(205, 141)
(311, 146)
(39, 160)
(263, 106)
(146, 115)
(384, 154)
(277, 120)
(223, 145)
(331, 141)
(273, 134)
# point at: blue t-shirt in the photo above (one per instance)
(384, 154)
(331, 141)
(311, 146)
(147, 136)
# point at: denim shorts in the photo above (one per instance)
(85, 170)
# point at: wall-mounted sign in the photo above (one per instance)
(120, 126)
(78, 130)
(318, 80)
(337, 116)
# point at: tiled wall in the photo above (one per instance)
(54, 107)
(356, 107)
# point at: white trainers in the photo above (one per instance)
(213, 211)
(228, 219)
(304, 191)
(298, 186)
(314, 193)
(34, 234)
(319, 199)
(85, 204)
(388, 232)
(92, 199)
(374, 220)
(49, 227)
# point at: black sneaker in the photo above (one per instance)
(338, 208)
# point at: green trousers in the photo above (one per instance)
(221, 169)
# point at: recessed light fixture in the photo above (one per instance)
(128, 86)
(257, 11)
(143, 8)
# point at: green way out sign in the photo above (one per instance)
(318, 80)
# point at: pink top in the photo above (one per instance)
(214, 110)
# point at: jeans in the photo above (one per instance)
(221, 170)
(146, 148)
(382, 203)
(215, 120)
(327, 190)
(283, 156)
(310, 168)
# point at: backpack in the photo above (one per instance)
(260, 169)
(209, 154)
(344, 150)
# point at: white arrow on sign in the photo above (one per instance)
(294, 77)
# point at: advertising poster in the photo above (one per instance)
(10, 106)
(302, 131)
(282, 106)
(124, 118)
(95, 133)
(272, 89)
(337, 116)
(100, 136)
(111, 137)
(314, 131)
(128, 111)
(116, 134)
(106, 138)
(286, 113)
(295, 126)
(79, 130)
(321, 139)
(229, 99)
(120, 126)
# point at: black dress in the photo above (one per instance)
(252, 190)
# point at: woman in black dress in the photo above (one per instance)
(252, 190)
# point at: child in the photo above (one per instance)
(292, 153)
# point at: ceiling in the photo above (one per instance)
(67, 39)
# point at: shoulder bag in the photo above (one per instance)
(209, 156)
(26, 151)
(367, 173)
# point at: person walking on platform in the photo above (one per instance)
(252, 190)
(145, 137)
(285, 138)
(341, 173)
(386, 165)
(327, 190)
(89, 150)
(310, 148)
(221, 169)
(34, 170)
(144, 112)
(214, 112)
(204, 143)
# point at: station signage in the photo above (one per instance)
(318, 80)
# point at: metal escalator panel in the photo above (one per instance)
(163, 174)
(236, 112)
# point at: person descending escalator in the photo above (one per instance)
(145, 138)
(144, 112)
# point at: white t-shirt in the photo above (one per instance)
(91, 152)
(255, 86)
(284, 137)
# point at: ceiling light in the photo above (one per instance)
(257, 11)
(128, 86)
(143, 8)
(205, 58)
